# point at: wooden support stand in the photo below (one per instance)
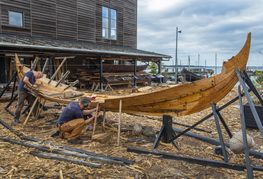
(119, 123)
(95, 120)
(31, 110)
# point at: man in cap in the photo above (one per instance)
(27, 81)
(72, 121)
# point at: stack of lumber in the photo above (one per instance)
(88, 78)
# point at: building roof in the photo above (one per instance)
(18, 44)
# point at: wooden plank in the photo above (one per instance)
(31, 110)
(119, 123)
(95, 119)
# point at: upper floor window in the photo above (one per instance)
(109, 23)
(15, 18)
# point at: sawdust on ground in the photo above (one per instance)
(16, 162)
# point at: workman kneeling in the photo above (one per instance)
(71, 122)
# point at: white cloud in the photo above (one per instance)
(208, 26)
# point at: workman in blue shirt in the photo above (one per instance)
(71, 121)
(28, 81)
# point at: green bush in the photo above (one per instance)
(153, 68)
(259, 78)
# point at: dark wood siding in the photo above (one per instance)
(72, 19)
(44, 18)
(22, 6)
(67, 19)
(126, 22)
(130, 23)
(87, 20)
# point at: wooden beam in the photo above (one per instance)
(61, 58)
(72, 84)
(119, 123)
(63, 78)
(61, 158)
(57, 70)
(34, 64)
(104, 119)
(95, 120)
(31, 110)
(45, 65)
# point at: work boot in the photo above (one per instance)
(16, 122)
(75, 141)
(55, 135)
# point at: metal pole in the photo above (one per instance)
(189, 62)
(250, 102)
(244, 135)
(220, 135)
(208, 116)
(252, 87)
(198, 63)
(14, 87)
(215, 63)
(176, 59)
(13, 79)
(205, 66)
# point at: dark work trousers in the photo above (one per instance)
(22, 96)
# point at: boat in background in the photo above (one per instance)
(122, 68)
(190, 76)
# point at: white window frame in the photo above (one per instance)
(108, 29)
(9, 19)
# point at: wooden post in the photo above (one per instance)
(40, 109)
(104, 119)
(72, 85)
(244, 137)
(31, 110)
(57, 70)
(61, 174)
(34, 64)
(45, 65)
(101, 75)
(37, 108)
(119, 123)
(95, 120)
(63, 78)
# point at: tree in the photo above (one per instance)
(153, 68)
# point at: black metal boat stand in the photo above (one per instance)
(169, 136)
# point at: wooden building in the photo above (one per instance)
(95, 32)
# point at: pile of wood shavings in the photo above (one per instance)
(16, 161)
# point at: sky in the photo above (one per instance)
(208, 27)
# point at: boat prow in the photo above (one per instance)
(188, 98)
(178, 100)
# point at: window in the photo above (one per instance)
(15, 18)
(109, 23)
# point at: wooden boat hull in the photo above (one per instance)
(179, 100)
(48, 92)
(189, 98)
